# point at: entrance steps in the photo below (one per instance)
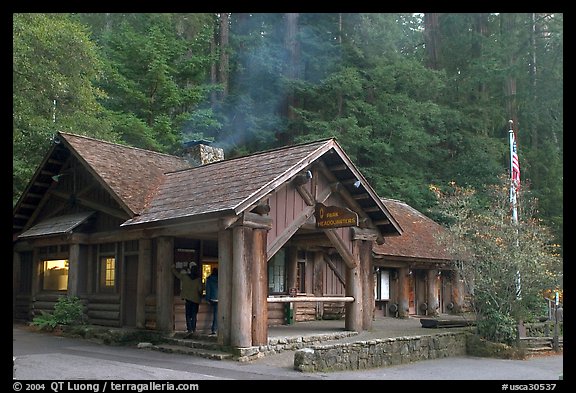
(202, 345)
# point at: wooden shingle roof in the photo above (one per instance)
(154, 188)
(420, 239)
(130, 174)
(227, 186)
(57, 225)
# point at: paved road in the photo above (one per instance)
(42, 356)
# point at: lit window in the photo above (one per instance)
(55, 275)
(109, 272)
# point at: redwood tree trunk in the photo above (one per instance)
(432, 39)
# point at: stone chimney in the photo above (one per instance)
(199, 152)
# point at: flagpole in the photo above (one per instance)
(513, 192)
(513, 199)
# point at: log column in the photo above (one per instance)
(367, 276)
(432, 295)
(224, 285)
(249, 305)
(457, 291)
(143, 280)
(73, 266)
(164, 284)
(403, 292)
(259, 287)
(317, 281)
(241, 301)
(354, 319)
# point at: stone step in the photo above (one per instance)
(187, 350)
(197, 343)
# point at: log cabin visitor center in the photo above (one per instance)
(297, 234)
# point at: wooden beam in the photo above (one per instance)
(340, 167)
(93, 205)
(305, 194)
(364, 234)
(289, 231)
(341, 247)
(332, 266)
(302, 178)
(261, 209)
(41, 184)
(289, 299)
(255, 221)
(359, 197)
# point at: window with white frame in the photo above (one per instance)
(277, 273)
(382, 286)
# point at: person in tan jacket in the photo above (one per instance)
(191, 293)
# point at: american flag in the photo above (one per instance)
(515, 164)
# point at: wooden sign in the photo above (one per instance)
(334, 217)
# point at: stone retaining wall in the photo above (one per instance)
(379, 352)
(543, 329)
(278, 345)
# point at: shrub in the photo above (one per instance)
(497, 327)
(67, 311)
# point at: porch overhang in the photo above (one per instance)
(59, 225)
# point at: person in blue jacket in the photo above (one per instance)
(212, 297)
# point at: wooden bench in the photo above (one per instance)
(445, 323)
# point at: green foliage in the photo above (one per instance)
(477, 346)
(506, 266)
(495, 326)
(55, 65)
(153, 80)
(45, 321)
(69, 310)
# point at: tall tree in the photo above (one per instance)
(54, 66)
(432, 39)
(157, 74)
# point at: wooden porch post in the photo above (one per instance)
(432, 296)
(164, 281)
(36, 274)
(403, 292)
(73, 266)
(367, 274)
(144, 278)
(457, 291)
(224, 286)
(353, 319)
(241, 300)
(318, 280)
(259, 288)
